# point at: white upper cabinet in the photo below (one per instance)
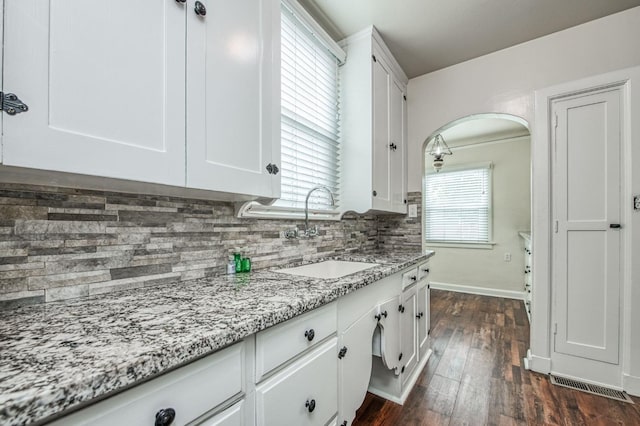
(104, 83)
(176, 92)
(233, 97)
(374, 126)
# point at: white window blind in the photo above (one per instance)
(458, 205)
(310, 118)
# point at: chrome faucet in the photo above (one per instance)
(309, 232)
(312, 232)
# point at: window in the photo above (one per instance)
(310, 117)
(457, 205)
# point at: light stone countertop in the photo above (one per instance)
(56, 356)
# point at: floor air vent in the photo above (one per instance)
(594, 389)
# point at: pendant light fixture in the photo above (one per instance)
(439, 149)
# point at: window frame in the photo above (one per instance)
(489, 244)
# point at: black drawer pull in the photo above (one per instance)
(311, 405)
(165, 417)
(310, 334)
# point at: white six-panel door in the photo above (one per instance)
(104, 83)
(586, 242)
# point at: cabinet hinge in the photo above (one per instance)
(429, 332)
(11, 104)
(272, 169)
(374, 58)
(555, 120)
(555, 227)
(555, 328)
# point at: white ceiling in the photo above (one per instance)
(427, 35)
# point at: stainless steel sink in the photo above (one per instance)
(329, 269)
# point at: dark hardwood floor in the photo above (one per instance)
(475, 375)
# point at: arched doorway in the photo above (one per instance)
(476, 207)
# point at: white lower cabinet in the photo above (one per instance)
(390, 335)
(424, 322)
(354, 366)
(304, 393)
(184, 394)
(409, 333)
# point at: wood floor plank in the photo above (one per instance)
(475, 375)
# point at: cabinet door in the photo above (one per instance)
(104, 83)
(397, 154)
(409, 333)
(302, 394)
(422, 317)
(354, 368)
(233, 96)
(390, 333)
(381, 150)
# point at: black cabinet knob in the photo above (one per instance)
(414, 278)
(402, 371)
(200, 9)
(311, 405)
(426, 270)
(310, 334)
(375, 193)
(342, 353)
(400, 357)
(165, 417)
(181, 1)
(380, 315)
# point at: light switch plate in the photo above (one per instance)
(636, 202)
(413, 210)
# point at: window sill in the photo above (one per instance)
(485, 246)
(254, 210)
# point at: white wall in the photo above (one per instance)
(511, 213)
(505, 81)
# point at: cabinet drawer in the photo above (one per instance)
(423, 270)
(279, 344)
(304, 393)
(410, 277)
(232, 416)
(191, 391)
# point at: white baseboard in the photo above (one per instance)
(482, 291)
(631, 384)
(537, 363)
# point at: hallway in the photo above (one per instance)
(475, 375)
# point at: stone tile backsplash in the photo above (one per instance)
(60, 243)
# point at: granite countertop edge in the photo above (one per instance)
(30, 391)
